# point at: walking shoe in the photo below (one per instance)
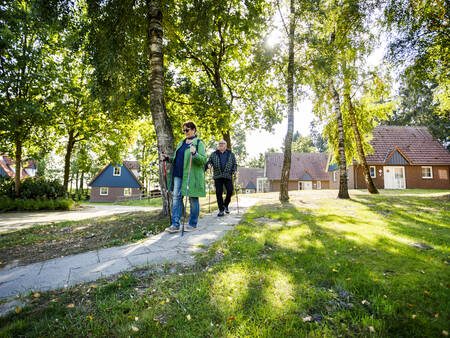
(172, 229)
(220, 213)
(226, 210)
(188, 228)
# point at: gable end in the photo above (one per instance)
(397, 157)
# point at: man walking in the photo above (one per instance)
(224, 165)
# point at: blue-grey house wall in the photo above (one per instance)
(107, 179)
(398, 158)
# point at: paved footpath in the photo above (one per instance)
(89, 266)
(12, 221)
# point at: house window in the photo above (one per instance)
(334, 175)
(427, 172)
(103, 191)
(373, 171)
(127, 191)
(116, 171)
(319, 185)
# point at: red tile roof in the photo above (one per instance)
(312, 163)
(415, 143)
(247, 177)
(132, 165)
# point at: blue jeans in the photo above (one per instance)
(177, 205)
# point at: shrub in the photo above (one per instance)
(34, 188)
(20, 204)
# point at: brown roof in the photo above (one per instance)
(247, 177)
(132, 165)
(312, 163)
(416, 144)
(7, 164)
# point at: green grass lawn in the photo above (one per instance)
(315, 267)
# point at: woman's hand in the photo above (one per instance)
(193, 151)
(164, 157)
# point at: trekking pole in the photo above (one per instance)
(167, 192)
(187, 194)
(236, 188)
(209, 190)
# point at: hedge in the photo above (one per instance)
(20, 204)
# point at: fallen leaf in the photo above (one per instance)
(348, 278)
(365, 302)
(162, 302)
(426, 292)
(136, 318)
(36, 295)
(384, 296)
(17, 309)
(167, 300)
(334, 270)
(188, 317)
(410, 305)
(134, 328)
(70, 306)
(126, 277)
(231, 319)
(413, 316)
(444, 333)
(90, 317)
(371, 329)
(436, 315)
(307, 319)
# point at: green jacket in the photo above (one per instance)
(197, 187)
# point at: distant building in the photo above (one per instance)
(403, 158)
(116, 182)
(8, 168)
(248, 179)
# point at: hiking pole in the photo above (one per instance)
(187, 194)
(209, 190)
(237, 198)
(167, 192)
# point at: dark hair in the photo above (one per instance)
(190, 124)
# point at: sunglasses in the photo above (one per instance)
(185, 130)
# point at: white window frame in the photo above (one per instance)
(125, 190)
(334, 175)
(102, 194)
(431, 172)
(114, 171)
(374, 171)
(319, 185)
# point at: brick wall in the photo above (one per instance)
(293, 185)
(114, 193)
(414, 178)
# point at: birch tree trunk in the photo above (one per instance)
(164, 132)
(285, 172)
(343, 185)
(362, 157)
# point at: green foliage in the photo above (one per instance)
(303, 144)
(34, 188)
(256, 162)
(24, 204)
(420, 36)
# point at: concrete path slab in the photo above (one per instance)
(13, 221)
(90, 266)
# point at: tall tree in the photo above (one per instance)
(26, 73)
(163, 127)
(217, 48)
(286, 169)
(127, 52)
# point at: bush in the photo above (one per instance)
(33, 188)
(20, 204)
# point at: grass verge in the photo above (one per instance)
(315, 267)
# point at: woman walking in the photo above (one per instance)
(187, 162)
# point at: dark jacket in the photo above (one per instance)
(230, 166)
